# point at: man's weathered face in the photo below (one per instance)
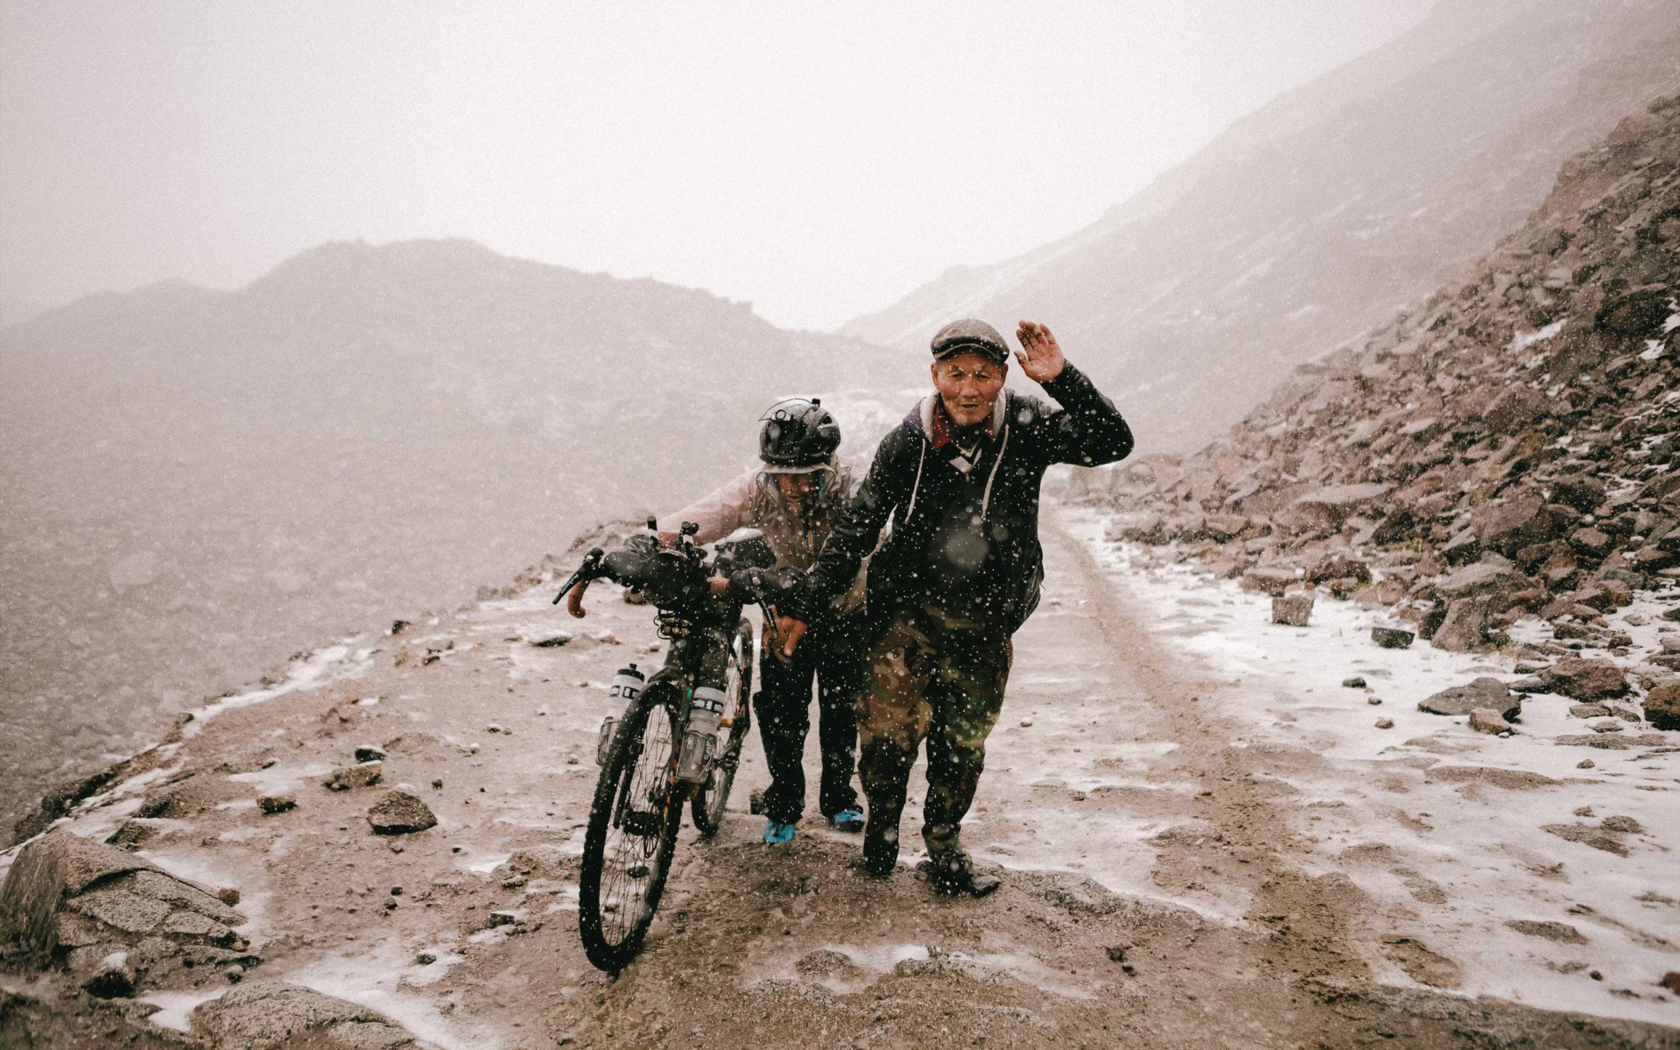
(969, 385)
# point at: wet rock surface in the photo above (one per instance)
(267, 1016)
(77, 904)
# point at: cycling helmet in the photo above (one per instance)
(797, 433)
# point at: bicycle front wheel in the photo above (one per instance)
(632, 833)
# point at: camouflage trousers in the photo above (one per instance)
(938, 676)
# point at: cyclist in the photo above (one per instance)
(959, 573)
(793, 498)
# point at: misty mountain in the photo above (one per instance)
(196, 481)
(1323, 213)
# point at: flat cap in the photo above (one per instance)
(969, 336)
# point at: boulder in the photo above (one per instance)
(1582, 679)
(1392, 637)
(1488, 720)
(272, 804)
(1222, 528)
(1515, 525)
(1638, 314)
(1590, 541)
(1483, 577)
(1465, 627)
(1580, 491)
(1398, 527)
(1464, 546)
(1652, 558)
(1605, 596)
(1334, 505)
(1483, 692)
(1268, 581)
(1338, 567)
(1560, 572)
(74, 902)
(400, 813)
(266, 1016)
(1514, 409)
(1662, 706)
(1292, 609)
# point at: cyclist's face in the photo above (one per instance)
(968, 386)
(796, 487)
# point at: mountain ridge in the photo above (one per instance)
(1276, 243)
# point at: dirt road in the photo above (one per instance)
(1158, 891)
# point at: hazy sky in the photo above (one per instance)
(818, 159)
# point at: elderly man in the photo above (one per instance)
(957, 575)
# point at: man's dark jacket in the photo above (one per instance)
(964, 533)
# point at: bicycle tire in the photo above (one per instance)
(639, 768)
(712, 799)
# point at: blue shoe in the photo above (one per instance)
(848, 820)
(775, 834)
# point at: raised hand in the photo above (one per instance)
(1043, 360)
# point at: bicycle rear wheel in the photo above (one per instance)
(713, 797)
(632, 833)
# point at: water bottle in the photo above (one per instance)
(700, 739)
(626, 686)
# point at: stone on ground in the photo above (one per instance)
(1662, 706)
(1586, 679)
(400, 813)
(266, 1016)
(363, 774)
(1488, 720)
(1292, 609)
(1392, 637)
(1463, 699)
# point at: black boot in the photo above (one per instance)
(880, 849)
(952, 873)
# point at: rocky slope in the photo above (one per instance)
(1318, 216)
(195, 481)
(1499, 462)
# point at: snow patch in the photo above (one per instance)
(1523, 340)
(1416, 815)
(175, 1008)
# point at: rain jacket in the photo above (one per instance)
(964, 533)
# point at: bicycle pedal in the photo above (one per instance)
(755, 802)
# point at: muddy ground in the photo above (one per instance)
(1225, 929)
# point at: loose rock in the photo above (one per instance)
(1488, 720)
(1483, 692)
(400, 813)
(1583, 679)
(276, 803)
(346, 778)
(1392, 637)
(1292, 609)
(1662, 706)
